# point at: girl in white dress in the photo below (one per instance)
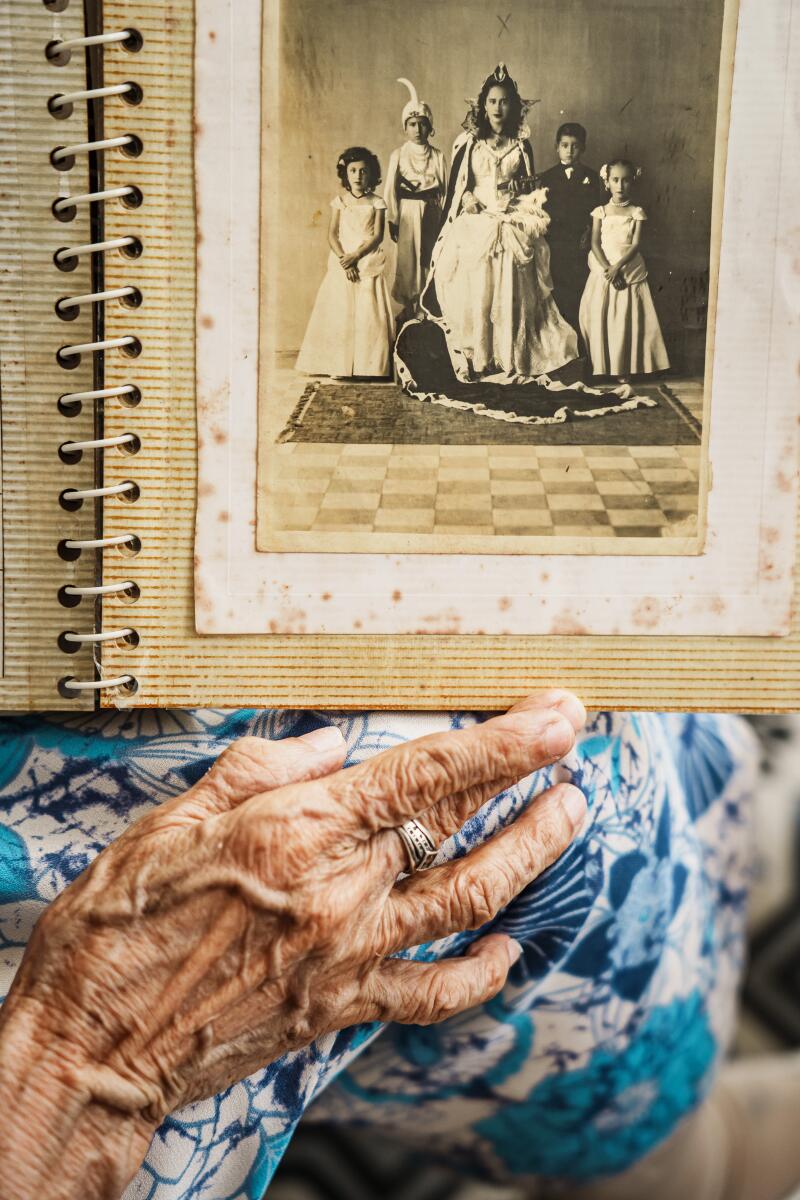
(416, 183)
(617, 316)
(351, 329)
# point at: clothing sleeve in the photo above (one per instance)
(337, 204)
(597, 212)
(379, 204)
(638, 214)
(390, 190)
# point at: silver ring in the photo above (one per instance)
(420, 846)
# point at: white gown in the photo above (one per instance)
(351, 328)
(493, 282)
(620, 327)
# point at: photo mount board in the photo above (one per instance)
(176, 666)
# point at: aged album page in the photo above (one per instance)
(440, 450)
(724, 423)
(32, 522)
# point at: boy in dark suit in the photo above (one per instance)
(574, 190)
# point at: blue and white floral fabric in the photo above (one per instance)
(614, 1019)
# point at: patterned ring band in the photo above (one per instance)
(420, 846)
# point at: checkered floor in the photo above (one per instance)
(567, 491)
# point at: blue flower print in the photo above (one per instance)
(644, 893)
(599, 1119)
(705, 764)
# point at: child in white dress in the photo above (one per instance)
(617, 316)
(416, 183)
(351, 328)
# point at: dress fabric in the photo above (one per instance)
(613, 1022)
(351, 328)
(620, 327)
(492, 273)
(414, 169)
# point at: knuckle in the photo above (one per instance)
(477, 900)
(547, 842)
(495, 973)
(323, 915)
(445, 996)
(419, 768)
(240, 764)
(300, 1030)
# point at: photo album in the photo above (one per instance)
(362, 354)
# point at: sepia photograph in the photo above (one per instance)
(487, 274)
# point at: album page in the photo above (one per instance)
(694, 464)
(33, 522)
(515, 363)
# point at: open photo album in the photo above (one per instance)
(419, 356)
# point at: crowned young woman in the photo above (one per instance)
(490, 278)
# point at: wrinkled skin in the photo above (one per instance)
(250, 915)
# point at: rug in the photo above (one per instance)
(367, 412)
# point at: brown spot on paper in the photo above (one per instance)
(326, 596)
(207, 322)
(219, 435)
(565, 625)
(224, 516)
(646, 613)
(504, 603)
(397, 595)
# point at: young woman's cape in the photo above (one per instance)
(427, 360)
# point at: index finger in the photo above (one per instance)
(405, 781)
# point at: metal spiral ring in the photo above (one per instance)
(110, 635)
(95, 297)
(93, 198)
(100, 589)
(117, 143)
(63, 99)
(81, 685)
(61, 106)
(93, 248)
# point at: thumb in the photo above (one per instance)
(251, 766)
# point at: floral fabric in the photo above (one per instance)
(613, 1021)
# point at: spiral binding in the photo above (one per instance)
(63, 157)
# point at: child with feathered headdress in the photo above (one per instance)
(416, 183)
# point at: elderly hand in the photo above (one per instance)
(252, 914)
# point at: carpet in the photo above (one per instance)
(361, 411)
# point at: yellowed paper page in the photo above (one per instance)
(31, 380)
(546, 504)
(176, 666)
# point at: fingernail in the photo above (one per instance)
(327, 737)
(574, 802)
(572, 709)
(514, 951)
(558, 737)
